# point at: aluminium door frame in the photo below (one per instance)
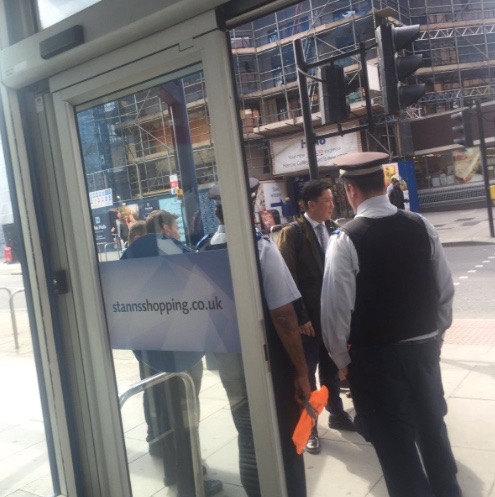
(133, 65)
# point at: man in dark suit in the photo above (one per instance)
(303, 244)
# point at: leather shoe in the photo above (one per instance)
(212, 487)
(342, 421)
(313, 446)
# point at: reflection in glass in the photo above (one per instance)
(149, 163)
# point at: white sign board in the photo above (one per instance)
(291, 156)
(101, 198)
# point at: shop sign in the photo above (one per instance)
(291, 156)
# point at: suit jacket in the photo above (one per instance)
(305, 259)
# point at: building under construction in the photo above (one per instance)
(457, 42)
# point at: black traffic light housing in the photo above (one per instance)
(333, 91)
(393, 68)
(463, 129)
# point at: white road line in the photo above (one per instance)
(463, 277)
(479, 265)
(472, 271)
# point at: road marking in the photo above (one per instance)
(479, 265)
(485, 262)
(456, 283)
(472, 271)
(463, 277)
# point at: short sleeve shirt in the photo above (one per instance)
(278, 285)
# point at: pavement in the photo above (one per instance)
(347, 465)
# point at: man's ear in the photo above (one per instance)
(350, 190)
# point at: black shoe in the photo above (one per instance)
(212, 487)
(156, 450)
(342, 421)
(313, 446)
(170, 479)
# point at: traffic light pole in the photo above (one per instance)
(302, 79)
(306, 109)
(484, 166)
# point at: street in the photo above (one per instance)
(473, 271)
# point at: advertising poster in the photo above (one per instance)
(174, 206)
(290, 155)
(269, 197)
(178, 302)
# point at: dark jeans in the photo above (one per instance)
(317, 356)
(398, 395)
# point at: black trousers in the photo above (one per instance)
(231, 370)
(316, 355)
(165, 411)
(399, 400)
(288, 413)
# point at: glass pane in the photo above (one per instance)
(150, 166)
(52, 11)
(24, 455)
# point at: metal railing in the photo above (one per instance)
(192, 415)
(12, 313)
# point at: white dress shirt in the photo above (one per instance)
(338, 293)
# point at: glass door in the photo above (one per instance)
(148, 158)
(147, 153)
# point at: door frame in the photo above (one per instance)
(194, 41)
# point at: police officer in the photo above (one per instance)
(383, 328)
(288, 365)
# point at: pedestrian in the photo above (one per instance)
(168, 431)
(396, 195)
(302, 245)
(288, 365)
(383, 327)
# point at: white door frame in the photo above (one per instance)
(121, 69)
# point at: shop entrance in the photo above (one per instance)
(149, 128)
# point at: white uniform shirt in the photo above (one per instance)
(278, 285)
(220, 236)
(338, 293)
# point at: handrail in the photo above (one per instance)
(12, 313)
(193, 418)
(105, 249)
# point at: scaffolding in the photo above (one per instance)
(457, 42)
(128, 144)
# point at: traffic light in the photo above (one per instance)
(393, 68)
(463, 129)
(333, 89)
